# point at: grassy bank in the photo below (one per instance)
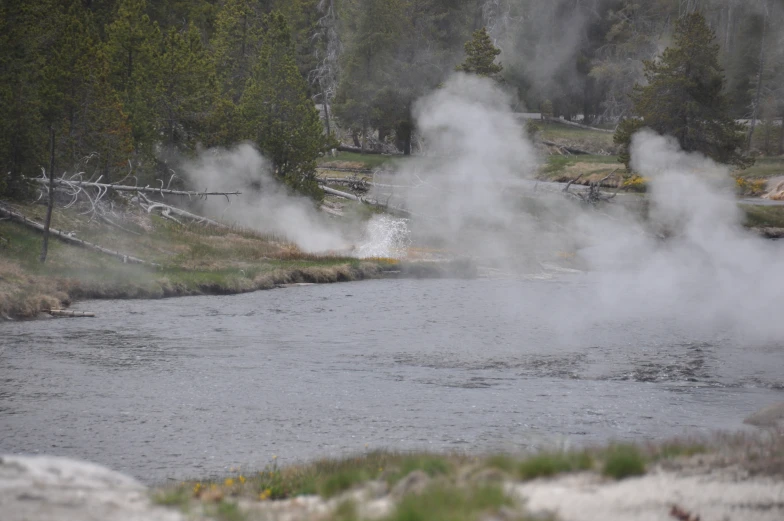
(593, 141)
(430, 486)
(357, 161)
(192, 260)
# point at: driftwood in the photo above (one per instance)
(70, 239)
(128, 188)
(72, 314)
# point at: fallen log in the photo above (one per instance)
(351, 181)
(72, 314)
(70, 239)
(571, 150)
(580, 125)
(372, 202)
(358, 150)
(128, 188)
(346, 169)
(167, 209)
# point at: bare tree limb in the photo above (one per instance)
(69, 238)
(127, 188)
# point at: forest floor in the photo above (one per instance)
(727, 476)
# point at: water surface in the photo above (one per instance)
(193, 386)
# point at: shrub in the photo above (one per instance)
(623, 461)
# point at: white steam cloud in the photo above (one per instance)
(708, 273)
(690, 260)
(265, 204)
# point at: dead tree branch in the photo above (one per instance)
(103, 187)
(69, 238)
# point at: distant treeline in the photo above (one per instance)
(113, 85)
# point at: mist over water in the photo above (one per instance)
(265, 204)
(190, 387)
(472, 194)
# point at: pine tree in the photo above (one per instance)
(684, 98)
(368, 63)
(277, 113)
(184, 90)
(94, 129)
(480, 56)
(132, 44)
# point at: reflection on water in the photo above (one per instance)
(187, 386)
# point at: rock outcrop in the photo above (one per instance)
(46, 488)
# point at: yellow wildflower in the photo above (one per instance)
(242, 479)
(228, 482)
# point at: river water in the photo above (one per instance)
(193, 386)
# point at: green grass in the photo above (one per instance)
(559, 168)
(764, 167)
(177, 497)
(229, 511)
(193, 260)
(763, 216)
(623, 461)
(550, 464)
(671, 450)
(365, 161)
(444, 502)
(592, 140)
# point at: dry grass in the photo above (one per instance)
(194, 260)
(592, 168)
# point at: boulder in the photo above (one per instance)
(46, 488)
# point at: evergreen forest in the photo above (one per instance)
(112, 87)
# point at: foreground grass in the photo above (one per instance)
(459, 486)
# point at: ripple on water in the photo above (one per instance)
(324, 370)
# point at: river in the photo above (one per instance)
(193, 386)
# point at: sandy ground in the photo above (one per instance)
(657, 496)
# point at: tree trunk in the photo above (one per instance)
(755, 111)
(50, 202)
(355, 138)
(326, 109)
(407, 145)
(364, 134)
(781, 135)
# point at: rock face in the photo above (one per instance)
(45, 488)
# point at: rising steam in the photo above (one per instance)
(265, 204)
(690, 260)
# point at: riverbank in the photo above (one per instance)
(181, 260)
(727, 476)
